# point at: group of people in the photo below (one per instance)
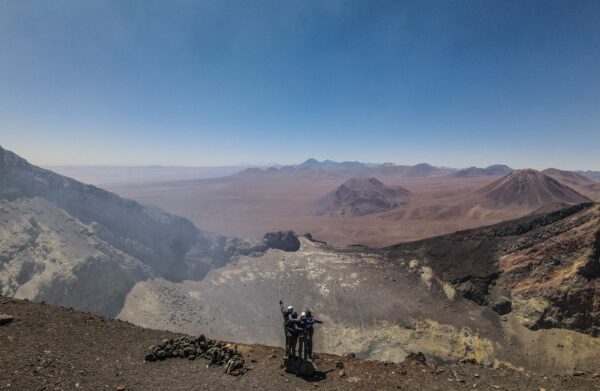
(299, 331)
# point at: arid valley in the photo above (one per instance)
(248, 204)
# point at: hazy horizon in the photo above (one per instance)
(249, 83)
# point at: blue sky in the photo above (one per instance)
(454, 83)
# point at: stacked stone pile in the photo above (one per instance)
(215, 352)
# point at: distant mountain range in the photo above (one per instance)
(314, 169)
(496, 169)
(329, 169)
(314, 163)
(595, 175)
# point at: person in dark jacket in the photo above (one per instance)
(310, 330)
(302, 337)
(287, 314)
(293, 328)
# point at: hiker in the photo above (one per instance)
(292, 327)
(287, 313)
(310, 330)
(302, 337)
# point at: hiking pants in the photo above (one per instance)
(309, 342)
(293, 339)
(287, 339)
(302, 348)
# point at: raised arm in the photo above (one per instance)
(281, 307)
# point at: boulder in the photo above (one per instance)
(6, 319)
(416, 358)
(591, 269)
(282, 240)
(471, 291)
(502, 305)
(299, 367)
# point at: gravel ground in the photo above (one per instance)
(52, 348)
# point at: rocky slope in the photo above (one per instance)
(571, 178)
(577, 181)
(50, 348)
(361, 196)
(547, 265)
(74, 244)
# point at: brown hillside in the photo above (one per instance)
(53, 348)
(361, 196)
(529, 188)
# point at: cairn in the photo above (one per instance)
(215, 352)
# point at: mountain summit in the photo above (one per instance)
(361, 196)
(529, 188)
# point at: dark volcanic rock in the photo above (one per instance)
(591, 269)
(502, 305)
(416, 358)
(6, 319)
(299, 367)
(282, 240)
(475, 288)
(218, 353)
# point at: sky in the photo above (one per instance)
(211, 83)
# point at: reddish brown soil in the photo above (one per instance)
(248, 207)
(51, 348)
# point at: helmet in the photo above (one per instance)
(290, 309)
(303, 315)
